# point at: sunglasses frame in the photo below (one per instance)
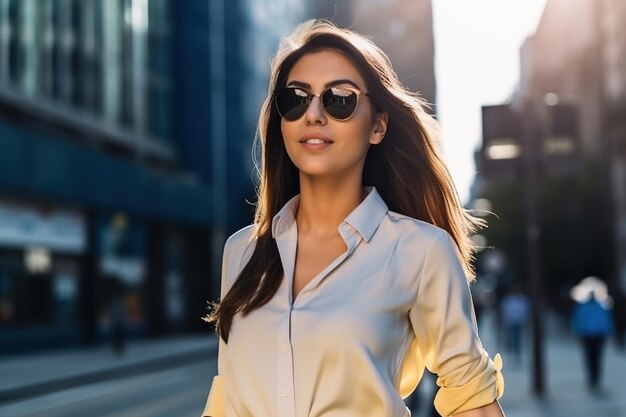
(310, 96)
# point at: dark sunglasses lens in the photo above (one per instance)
(292, 103)
(339, 102)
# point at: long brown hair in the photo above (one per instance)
(405, 167)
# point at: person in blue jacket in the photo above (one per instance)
(592, 322)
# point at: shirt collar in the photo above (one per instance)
(365, 218)
(283, 220)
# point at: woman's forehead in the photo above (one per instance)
(321, 67)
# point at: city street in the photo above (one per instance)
(136, 136)
(566, 391)
(177, 388)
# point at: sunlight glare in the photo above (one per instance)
(477, 47)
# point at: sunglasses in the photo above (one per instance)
(338, 102)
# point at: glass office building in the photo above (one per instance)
(125, 133)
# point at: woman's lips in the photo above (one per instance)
(315, 143)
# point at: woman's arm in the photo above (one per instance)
(491, 410)
(444, 324)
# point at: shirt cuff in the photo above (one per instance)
(482, 389)
(215, 402)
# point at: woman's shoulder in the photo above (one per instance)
(240, 237)
(421, 243)
(239, 247)
(412, 228)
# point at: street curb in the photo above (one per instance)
(121, 371)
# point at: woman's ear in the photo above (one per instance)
(379, 129)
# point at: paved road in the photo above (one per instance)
(564, 378)
(177, 392)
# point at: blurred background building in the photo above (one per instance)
(126, 129)
(125, 135)
(571, 102)
(404, 30)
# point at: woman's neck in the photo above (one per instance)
(324, 204)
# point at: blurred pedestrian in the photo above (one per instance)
(514, 311)
(592, 323)
(354, 277)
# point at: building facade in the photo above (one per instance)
(125, 133)
(579, 55)
(562, 57)
(404, 30)
(577, 60)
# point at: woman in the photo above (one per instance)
(353, 276)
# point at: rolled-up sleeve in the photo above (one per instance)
(445, 327)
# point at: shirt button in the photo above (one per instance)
(284, 393)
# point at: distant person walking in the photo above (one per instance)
(592, 323)
(514, 310)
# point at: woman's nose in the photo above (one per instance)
(314, 114)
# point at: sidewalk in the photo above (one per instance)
(564, 378)
(35, 374)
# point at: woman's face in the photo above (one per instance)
(343, 144)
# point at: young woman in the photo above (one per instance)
(354, 275)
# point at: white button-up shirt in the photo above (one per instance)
(356, 339)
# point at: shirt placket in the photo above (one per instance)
(284, 381)
(284, 359)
